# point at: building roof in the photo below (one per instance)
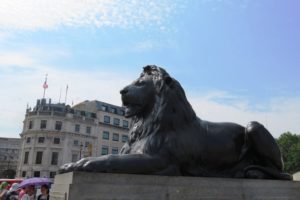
(94, 106)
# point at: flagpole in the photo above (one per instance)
(45, 86)
(59, 95)
(66, 94)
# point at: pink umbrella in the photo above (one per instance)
(35, 181)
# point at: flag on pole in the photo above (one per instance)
(45, 85)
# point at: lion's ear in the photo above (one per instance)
(163, 82)
(168, 80)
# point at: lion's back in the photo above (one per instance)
(207, 143)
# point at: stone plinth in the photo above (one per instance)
(296, 176)
(96, 186)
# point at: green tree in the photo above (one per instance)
(289, 145)
(9, 173)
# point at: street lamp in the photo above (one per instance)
(81, 145)
(8, 162)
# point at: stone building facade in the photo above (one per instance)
(9, 156)
(54, 134)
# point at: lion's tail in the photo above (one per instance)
(272, 173)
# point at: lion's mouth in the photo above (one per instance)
(131, 108)
(131, 105)
(126, 103)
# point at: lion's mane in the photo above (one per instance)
(171, 110)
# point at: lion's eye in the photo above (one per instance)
(140, 83)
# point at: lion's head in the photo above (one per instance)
(157, 99)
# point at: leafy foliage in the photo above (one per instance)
(9, 173)
(289, 145)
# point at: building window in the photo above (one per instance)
(36, 174)
(39, 157)
(52, 174)
(76, 143)
(114, 150)
(105, 135)
(87, 144)
(122, 112)
(58, 125)
(114, 110)
(88, 114)
(125, 123)
(43, 124)
(23, 173)
(88, 130)
(26, 157)
(104, 150)
(74, 157)
(116, 121)
(30, 125)
(56, 140)
(124, 138)
(104, 108)
(28, 140)
(54, 159)
(107, 119)
(41, 139)
(115, 137)
(77, 128)
(77, 112)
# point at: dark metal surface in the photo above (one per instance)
(167, 138)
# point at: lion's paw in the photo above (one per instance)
(78, 166)
(68, 167)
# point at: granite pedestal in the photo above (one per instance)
(96, 186)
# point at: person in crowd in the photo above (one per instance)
(21, 193)
(29, 193)
(44, 193)
(3, 190)
(13, 194)
(3, 185)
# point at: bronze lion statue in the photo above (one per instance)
(167, 138)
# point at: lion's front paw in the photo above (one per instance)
(98, 164)
(68, 167)
(78, 166)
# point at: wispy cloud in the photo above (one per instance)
(218, 4)
(15, 59)
(282, 115)
(22, 75)
(50, 14)
(4, 35)
(25, 86)
(22, 87)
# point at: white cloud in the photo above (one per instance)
(49, 14)
(11, 59)
(217, 5)
(23, 85)
(283, 113)
(4, 35)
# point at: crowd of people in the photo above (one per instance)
(14, 192)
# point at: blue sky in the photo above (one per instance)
(238, 60)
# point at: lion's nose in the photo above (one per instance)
(124, 91)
